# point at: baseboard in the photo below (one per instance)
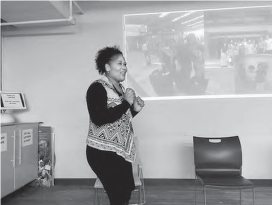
(149, 181)
(262, 182)
(75, 181)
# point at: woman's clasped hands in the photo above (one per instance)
(129, 95)
(137, 102)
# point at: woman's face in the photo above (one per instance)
(117, 68)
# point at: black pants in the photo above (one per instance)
(114, 172)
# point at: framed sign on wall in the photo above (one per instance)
(12, 100)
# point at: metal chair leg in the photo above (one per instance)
(253, 192)
(240, 197)
(140, 195)
(204, 195)
(195, 189)
(101, 196)
(95, 197)
(144, 197)
(142, 187)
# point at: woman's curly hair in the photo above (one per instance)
(104, 56)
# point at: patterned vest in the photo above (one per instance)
(117, 136)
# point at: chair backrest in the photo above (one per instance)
(221, 155)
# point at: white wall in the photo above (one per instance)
(54, 72)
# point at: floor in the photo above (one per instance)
(157, 193)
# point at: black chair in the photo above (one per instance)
(218, 164)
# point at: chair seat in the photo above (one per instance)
(137, 181)
(235, 182)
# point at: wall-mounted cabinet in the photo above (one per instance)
(19, 156)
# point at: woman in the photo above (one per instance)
(110, 146)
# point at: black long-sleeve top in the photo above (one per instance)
(99, 112)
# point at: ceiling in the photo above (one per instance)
(25, 11)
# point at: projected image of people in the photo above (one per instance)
(195, 53)
(238, 55)
(166, 51)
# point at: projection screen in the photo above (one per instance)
(200, 53)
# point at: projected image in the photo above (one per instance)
(239, 51)
(188, 53)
